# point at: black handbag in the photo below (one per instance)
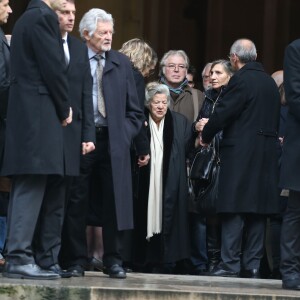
(202, 163)
(203, 192)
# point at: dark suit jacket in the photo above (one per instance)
(39, 98)
(82, 128)
(290, 171)
(124, 122)
(141, 142)
(249, 117)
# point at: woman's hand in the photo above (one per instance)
(143, 160)
(200, 124)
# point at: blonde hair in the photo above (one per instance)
(141, 55)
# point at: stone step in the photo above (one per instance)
(137, 286)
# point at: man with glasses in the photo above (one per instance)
(173, 73)
(188, 101)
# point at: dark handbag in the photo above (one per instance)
(202, 163)
(203, 193)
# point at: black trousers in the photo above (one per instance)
(290, 238)
(35, 199)
(246, 229)
(74, 248)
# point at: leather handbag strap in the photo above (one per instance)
(196, 103)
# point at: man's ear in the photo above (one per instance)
(86, 35)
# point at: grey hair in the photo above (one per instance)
(172, 53)
(244, 49)
(226, 65)
(90, 20)
(208, 65)
(154, 88)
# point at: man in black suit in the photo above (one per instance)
(118, 119)
(290, 171)
(79, 136)
(248, 188)
(5, 10)
(81, 129)
(38, 110)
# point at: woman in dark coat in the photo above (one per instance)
(220, 75)
(161, 219)
(143, 59)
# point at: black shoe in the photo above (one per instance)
(76, 271)
(252, 273)
(58, 270)
(222, 272)
(291, 284)
(30, 271)
(115, 271)
(94, 264)
(212, 265)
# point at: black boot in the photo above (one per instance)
(213, 240)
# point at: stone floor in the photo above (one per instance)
(97, 286)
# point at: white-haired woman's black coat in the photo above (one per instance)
(173, 243)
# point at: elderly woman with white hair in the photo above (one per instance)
(161, 236)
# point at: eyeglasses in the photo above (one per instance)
(173, 67)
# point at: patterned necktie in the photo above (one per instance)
(99, 74)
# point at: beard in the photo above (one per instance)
(106, 48)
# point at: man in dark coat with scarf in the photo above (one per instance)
(290, 171)
(38, 109)
(248, 187)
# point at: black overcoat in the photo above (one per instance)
(38, 99)
(249, 117)
(124, 118)
(82, 128)
(173, 243)
(290, 171)
(4, 86)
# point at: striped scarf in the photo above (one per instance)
(177, 90)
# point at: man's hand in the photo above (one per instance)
(143, 160)
(68, 120)
(87, 147)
